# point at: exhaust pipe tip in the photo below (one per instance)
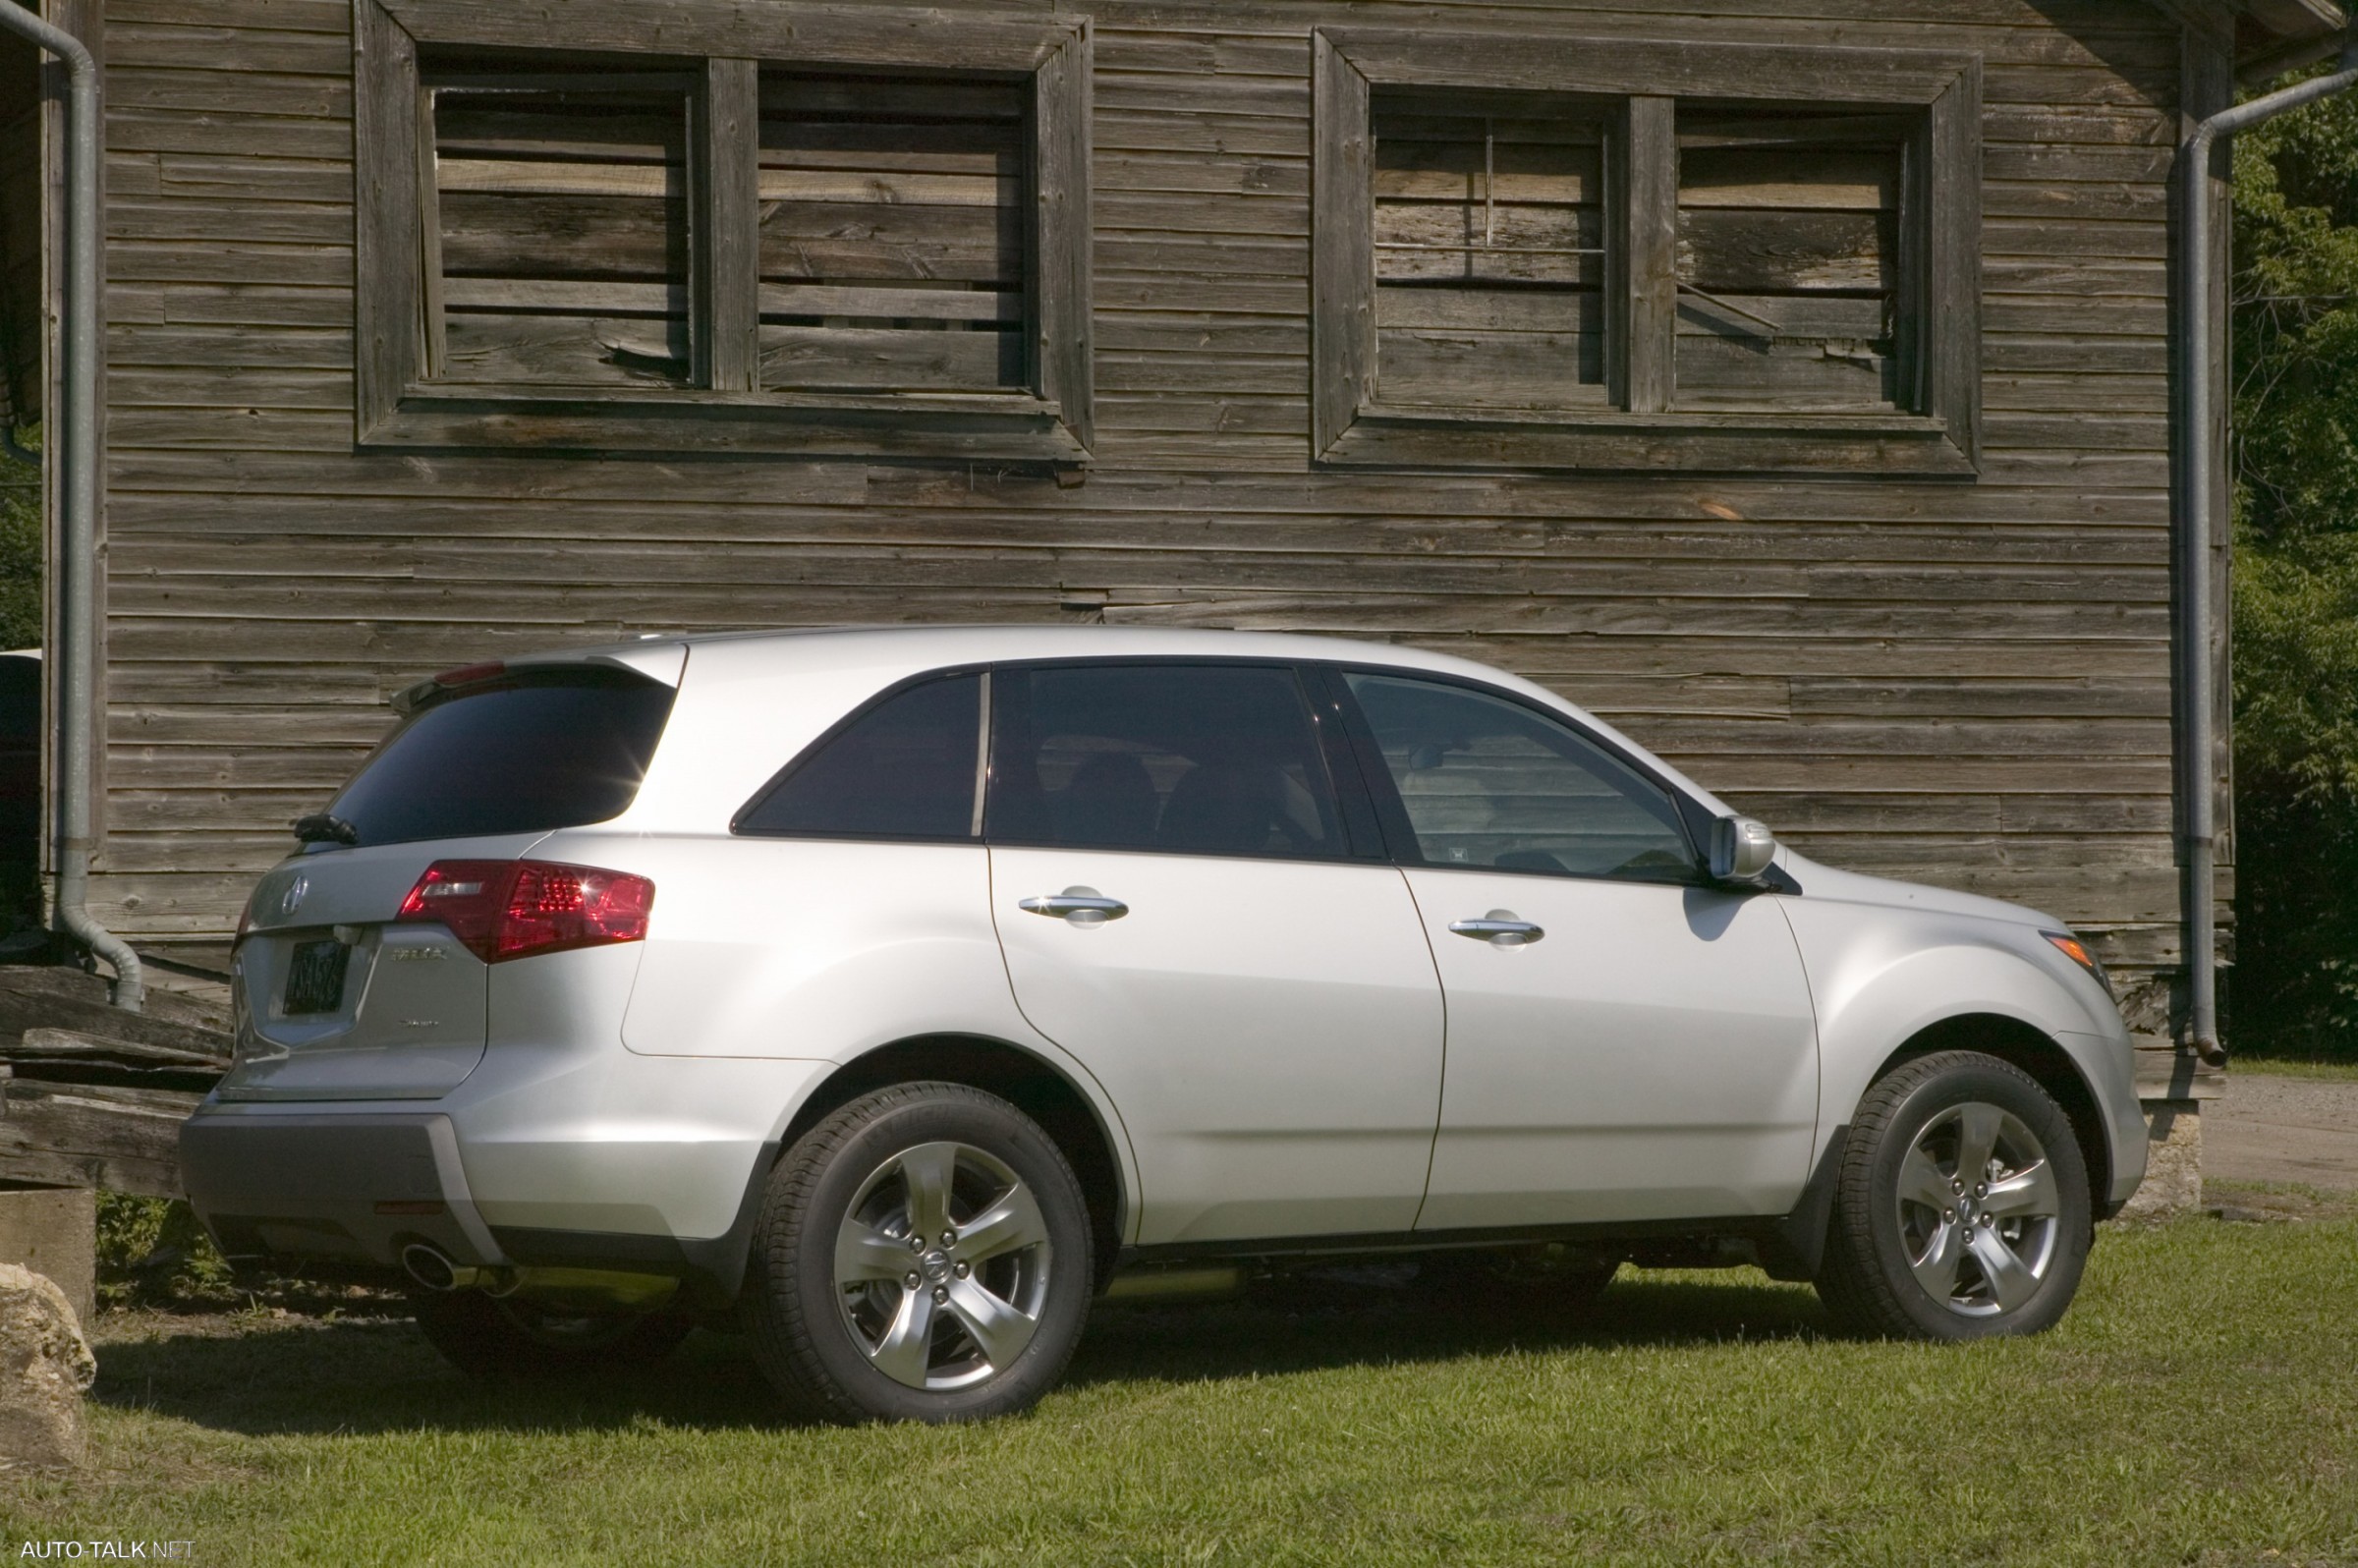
(431, 1268)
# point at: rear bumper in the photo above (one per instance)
(543, 1157)
(345, 1188)
(355, 1191)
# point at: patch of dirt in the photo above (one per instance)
(139, 1326)
(2272, 1202)
(2268, 1128)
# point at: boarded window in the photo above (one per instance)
(1489, 260)
(717, 227)
(893, 233)
(1788, 260)
(1535, 251)
(562, 228)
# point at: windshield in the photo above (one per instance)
(531, 751)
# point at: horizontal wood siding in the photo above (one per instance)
(1961, 682)
(1489, 233)
(1788, 258)
(892, 235)
(557, 228)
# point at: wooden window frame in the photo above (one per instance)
(1940, 261)
(397, 405)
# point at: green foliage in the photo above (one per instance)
(2296, 666)
(2295, 989)
(20, 545)
(152, 1252)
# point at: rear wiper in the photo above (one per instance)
(322, 828)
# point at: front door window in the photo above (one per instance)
(1485, 782)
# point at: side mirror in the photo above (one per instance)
(1741, 849)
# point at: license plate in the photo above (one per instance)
(316, 978)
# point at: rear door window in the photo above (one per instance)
(1200, 760)
(907, 767)
(529, 751)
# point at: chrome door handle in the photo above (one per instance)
(1076, 905)
(1500, 929)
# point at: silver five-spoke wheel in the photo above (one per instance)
(942, 1266)
(1979, 1210)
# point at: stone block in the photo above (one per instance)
(45, 1368)
(54, 1231)
(2174, 1161)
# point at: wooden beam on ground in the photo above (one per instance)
(74, 1135)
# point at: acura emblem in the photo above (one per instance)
(292, 899)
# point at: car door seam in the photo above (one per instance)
(1440, 1093)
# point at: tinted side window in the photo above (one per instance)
(1487, 782)
(906, 769)
(518, 756)
(1203, 760)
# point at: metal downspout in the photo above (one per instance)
(2196, 665)
(78, 523)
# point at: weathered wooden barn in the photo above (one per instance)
(1789, 380)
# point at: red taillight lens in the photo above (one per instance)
(554, 907)
(465, 895)
(513, 909)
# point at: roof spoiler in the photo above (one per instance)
(664, 662)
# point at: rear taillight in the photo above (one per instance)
(514, 909)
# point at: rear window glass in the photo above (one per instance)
(522, 754)
(906, 769)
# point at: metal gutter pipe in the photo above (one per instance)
(78, 515)
(2197, 672)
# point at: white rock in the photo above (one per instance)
(45, 1368)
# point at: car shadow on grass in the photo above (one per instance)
(1312, 1322)
(378, 1375)
(295, 1376)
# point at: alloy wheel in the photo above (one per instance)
(942, 1266)
(1979, 1211)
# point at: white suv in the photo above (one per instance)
(892, 991)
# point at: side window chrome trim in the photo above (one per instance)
(982, 758)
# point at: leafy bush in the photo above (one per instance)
(21, 544)
(153, 1253)
(2295, 987)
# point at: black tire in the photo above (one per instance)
(1876, 1242)
(822, 1341)
(499, 1340)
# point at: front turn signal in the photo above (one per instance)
(2076, 950)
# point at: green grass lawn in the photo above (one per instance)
(2200, 1405)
